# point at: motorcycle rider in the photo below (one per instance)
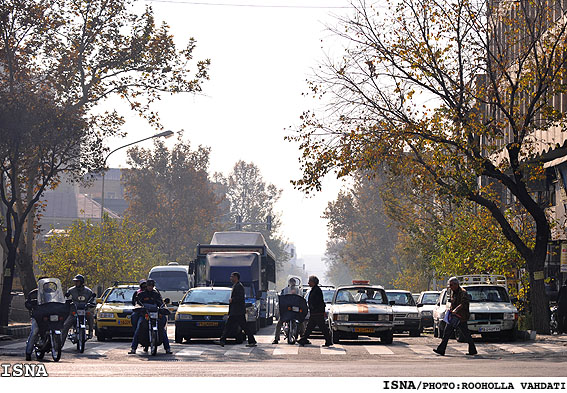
(31, 304)
(79, 294)
(291, 289)
(136, 314)
(152, 296)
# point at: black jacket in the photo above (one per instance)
(31, 300)
(316, 302)
(151, 297)
(237, 305)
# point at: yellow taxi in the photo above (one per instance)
(203, 313)
(114, 311)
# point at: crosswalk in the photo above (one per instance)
(266, 349)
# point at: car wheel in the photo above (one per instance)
(100, 337)
(435, 330)
(510, 335)
(178, 337)
(387, 338)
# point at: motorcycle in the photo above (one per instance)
(50, 315)
(149, 336)
(293, 310)
(79, 334)
(553, 325)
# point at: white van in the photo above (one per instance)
(172, 281)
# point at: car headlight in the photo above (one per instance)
(509, 316)
(426, 313)
(106, 315)
(340, 317)
(225, 317)
(413, 315)
(186, 317)
(383, 317)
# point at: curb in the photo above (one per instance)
(16, 332)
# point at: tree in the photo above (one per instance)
(357, 220)
(252, 201)
(116, 251)
(170, 191)
(58, 60)
(447, 93)
(337, 272)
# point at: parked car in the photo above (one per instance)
(406, 314)
(425, 304)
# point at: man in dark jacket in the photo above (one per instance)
(458, 317)
(562, 309)
(237, 312)
(317, 313)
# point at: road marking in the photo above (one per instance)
(286, 350)
(378, 350)
(551, 347)
(191, 351)
(334, 350)
(422, 350)
(515, 349)
(239, 351)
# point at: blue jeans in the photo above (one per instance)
(33, 334)
(136, 331)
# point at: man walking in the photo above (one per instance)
(562, 309)
(458, 317)
(237, 312)
(317, 310)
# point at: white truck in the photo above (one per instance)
(172, 281)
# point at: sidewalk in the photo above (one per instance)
(15, 330)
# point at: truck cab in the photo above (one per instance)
(172, 281)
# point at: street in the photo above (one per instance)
(407, 356)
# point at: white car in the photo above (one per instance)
(439, 313)
(361, 309)
(406, 313)
(426, 303)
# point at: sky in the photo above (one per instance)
(260, 60)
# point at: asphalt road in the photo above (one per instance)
(407, 356)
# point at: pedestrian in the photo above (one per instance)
(562, 309)
(237, 312)
(457, 318)
(317, 313)
(291, 289)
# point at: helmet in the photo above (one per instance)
(80, 278)
(151, 282)
(143, 282)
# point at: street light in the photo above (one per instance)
(165, 134)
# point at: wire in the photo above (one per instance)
(246, 5)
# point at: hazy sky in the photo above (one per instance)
(261, 58)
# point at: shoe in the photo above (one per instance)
(275, 341)
(28, 357)
(132, 352)
(89, 336)
(168, 352)
(145, 349)
(328, 344)
(472, 353)
(251, 345)
(221, 343)
(301, 343)
(438, 352)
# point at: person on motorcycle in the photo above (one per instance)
(137, 311)
(31, 304)
(152, 296)
(79, 294)
(291, 289)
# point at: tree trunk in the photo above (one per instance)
(7, 286)
(24, 265)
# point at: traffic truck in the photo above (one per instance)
(248, 254)
(173, 281)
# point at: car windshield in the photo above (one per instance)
(401, 298)
(362, 295)
(488, 294)
(328, 295)
(170, 280)
(429, 298)
(120, 295)
(207, 296)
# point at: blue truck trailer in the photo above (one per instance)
(248, 254)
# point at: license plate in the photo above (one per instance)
(54, 318)
(153, 315)
(80, 312)
(295, 309)
(125, 322)
(489, 329)
(207, 323)
(399, 322)
(364, 330)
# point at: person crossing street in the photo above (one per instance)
(237, 312)
(317, 311)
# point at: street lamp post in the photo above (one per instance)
(165, 134)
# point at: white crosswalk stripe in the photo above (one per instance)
(334, 350)
(191, 351)
(515, 349)
(551, 347)
(286, 350)
(378, 350)
(422, 350)
(239, 351)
